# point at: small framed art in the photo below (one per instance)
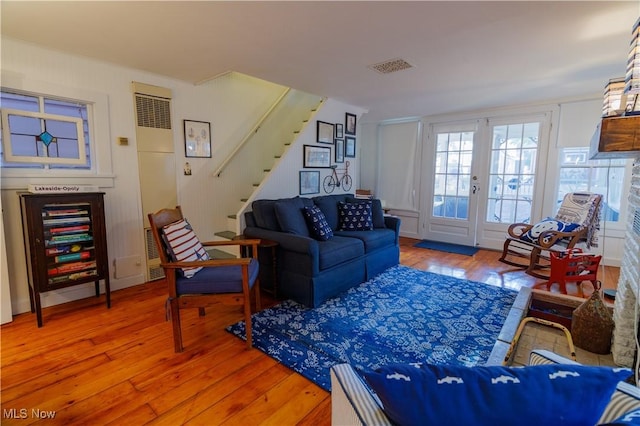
(317, 156)
(339, 131)
(309, 182)
(349, 147)
(325, 132)
(339, 153)
(197, 139)
(350, 124)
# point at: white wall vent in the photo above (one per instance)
(154, 270)
(153, 112)
(392, 65)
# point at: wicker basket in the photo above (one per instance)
(592, 324)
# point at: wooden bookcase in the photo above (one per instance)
(65, 243)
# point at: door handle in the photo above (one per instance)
(474, 189)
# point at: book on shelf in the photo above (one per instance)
(71, 267)
(73, 239)
(64, 212)
(60, 249)
(69, 229)
(73, 276)
(72, 256)
(62, 220)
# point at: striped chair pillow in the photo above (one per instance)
(184, 245)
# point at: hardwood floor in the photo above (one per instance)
(91, 365)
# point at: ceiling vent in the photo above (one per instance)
(390, 66)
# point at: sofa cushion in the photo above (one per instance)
(338, 250)
(290, 217)
(317, 224)
(377, 214)
(419, 394)
(183, 245)
(373, 240)
(329, 206)
(355, 216)
(265, 215)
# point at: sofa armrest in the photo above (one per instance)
(290, 242)
(393, 223)
(351, 401)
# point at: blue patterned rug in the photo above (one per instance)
(402, 315)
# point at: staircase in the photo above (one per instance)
(250, 165)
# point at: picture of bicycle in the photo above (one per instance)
(330, 182)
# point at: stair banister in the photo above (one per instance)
(253, 130)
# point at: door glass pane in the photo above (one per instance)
(452, 175)
(513, 163)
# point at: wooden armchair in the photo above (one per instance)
(530, 246)
(194, 280)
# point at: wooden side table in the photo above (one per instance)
(267, 244)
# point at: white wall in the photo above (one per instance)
(232, 104)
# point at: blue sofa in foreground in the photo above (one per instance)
(326, 244)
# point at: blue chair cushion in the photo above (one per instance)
(289, 215)
(548, 224)
(216, 280)
(318, 226)
(558, 394)
(355, 216)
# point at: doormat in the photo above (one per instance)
(447, 247)
(402, 315)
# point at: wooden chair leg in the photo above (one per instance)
(247, 319)
(175, 321)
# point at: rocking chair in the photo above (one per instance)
(530, 246)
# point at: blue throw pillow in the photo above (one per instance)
(548, 224)
(377, 213)
(355, 216)
(318, 226)
(558, 394)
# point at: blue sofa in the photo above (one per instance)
(310, 270)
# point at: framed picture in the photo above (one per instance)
(325, 132)
(317, 156)
(197, 139)
(339, 131)
(309, 182)
(350, 124)
(350, 147)
(339, 153)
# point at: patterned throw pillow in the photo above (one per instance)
(355, 216)
(184, 245)
(548, 224)
(318, 226)
(557, 394)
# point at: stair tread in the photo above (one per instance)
(225, 234)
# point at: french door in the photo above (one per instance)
(482, 177)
